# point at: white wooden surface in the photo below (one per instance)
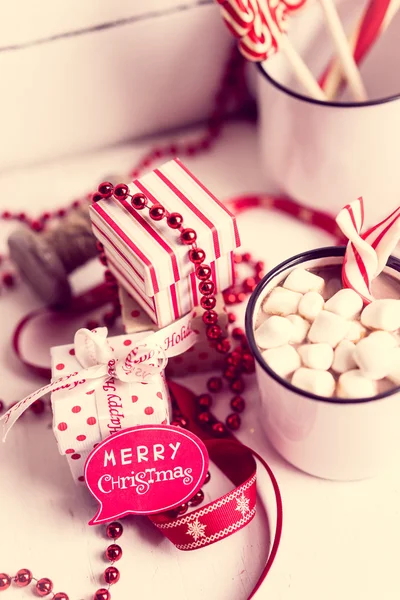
(340, 540)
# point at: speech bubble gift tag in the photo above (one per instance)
(145, 470)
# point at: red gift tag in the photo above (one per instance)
(145, 470)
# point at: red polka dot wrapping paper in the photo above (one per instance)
(84, 417)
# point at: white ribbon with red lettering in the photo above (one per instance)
(366, 253)
(100, 361)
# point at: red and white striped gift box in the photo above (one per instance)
(147, 257)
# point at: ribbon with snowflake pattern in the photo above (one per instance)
(224, 516)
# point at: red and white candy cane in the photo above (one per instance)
(260, 26)
(367, 253)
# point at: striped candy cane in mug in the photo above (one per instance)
(366, 253)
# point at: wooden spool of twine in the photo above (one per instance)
(46, 259)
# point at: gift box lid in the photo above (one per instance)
(151, 248)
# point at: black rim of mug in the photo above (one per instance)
(331, 103)
(298, 259)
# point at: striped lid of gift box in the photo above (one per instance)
(150, 250)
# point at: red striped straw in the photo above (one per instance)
(374, 20)
(366, 253)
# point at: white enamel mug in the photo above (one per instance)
(327, 437)
(326, 154)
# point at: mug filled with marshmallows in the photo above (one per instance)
(324, 327)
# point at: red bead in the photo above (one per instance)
(204, 418)
(197, 499)
(157, 212)
(188, 236)
(113, 552)
(103, 259)
(36, 225)
(238, 404)
(114, 530)
(8, 280)
(237, 333)
(231, 317)
(247, 257)
(139, 201)
(214, 384)
(174, 220)
(207, 288)
(44, 587)
(6, 215)
(230, 298)
(96, 197)
(105, 189)
(223, 346)
(248, 363)
(37, 407)
(22, 217)
(204, 401)
(180, 422)
(111, 575)
(240, 297)
(76, 204)
(121, 191)
(237, 258)
(210, 317)
(259, 266)
(5, 582)
(102, 594)
(214, 332)
(99, 246)
(181, 510)
(61, 213)
(208, 302)
(108, 276)
(197, 255)
(203, 272)
(92, 325)
(233, 421)
(249, 284)
(218, 429)
(60, 596)
(259, 276)
(237, 386)
(235, 358)
(208, 477)
(23, 578)
(231, 372)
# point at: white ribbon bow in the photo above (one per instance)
(99, 360)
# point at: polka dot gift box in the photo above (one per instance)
(145, 254)
(92, 411)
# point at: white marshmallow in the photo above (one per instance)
(346, 303)
(328, 328)
(317, 382)
(274, 332)
(382, 314)
(281, 302)
(301, 280)
(356, 332)
(374, 354)
(310, 305)
(300, 329)
(283, 360)
(354, 384)
(316, 356)
(394, 374)
(343, 359)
